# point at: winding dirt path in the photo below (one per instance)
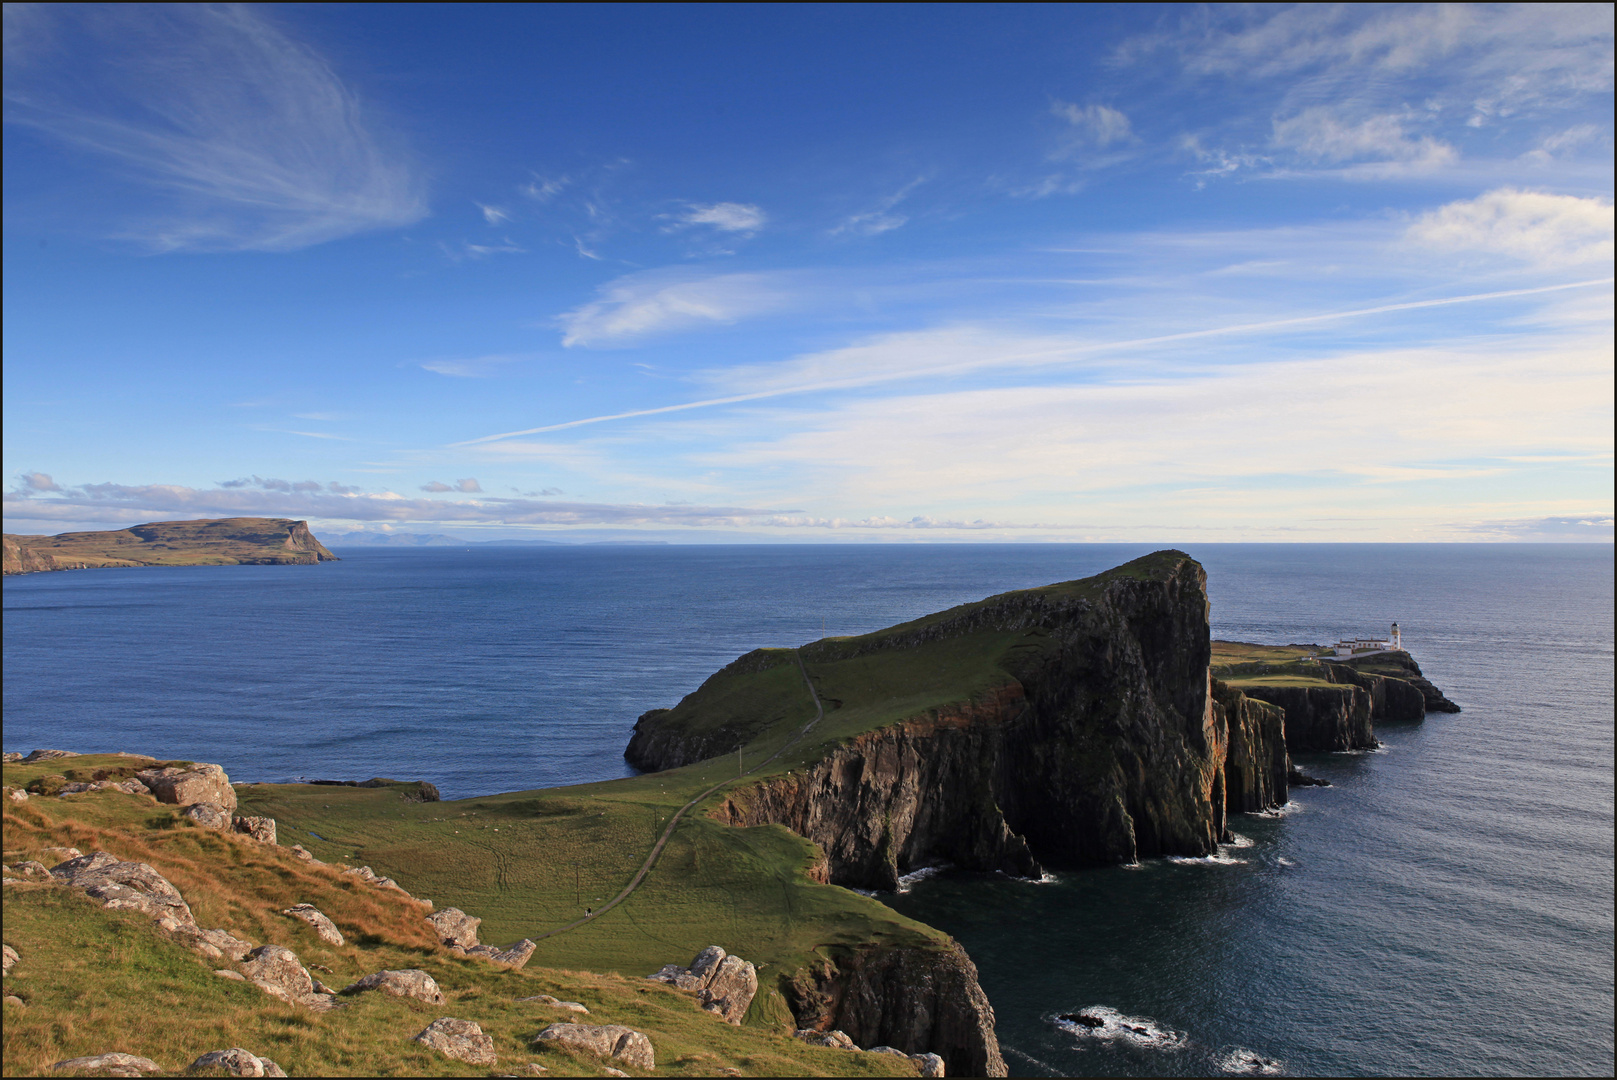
(673, 823)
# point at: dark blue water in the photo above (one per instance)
(1445, 907)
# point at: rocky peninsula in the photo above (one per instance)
(212, 542)
(1089, 722)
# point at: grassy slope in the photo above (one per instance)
(1241, 663)
(217, 542)
(95, 980)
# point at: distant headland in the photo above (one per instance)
(211, 542)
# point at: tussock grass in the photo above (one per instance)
(95, 980)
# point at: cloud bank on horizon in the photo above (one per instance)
(1100, 273)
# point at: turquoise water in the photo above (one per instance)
(1444, 907)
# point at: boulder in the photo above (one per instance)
(113, 1064)
(928, 1064)
(410, 983)
(11, 958)
(323, 927)
(16, 795)
(47, 755)
(557, 1003)
(213, 944)
(133, 787)
(226, 973)
(183, 786)
(33, 871)
(458, 1039)
(11, 756)
(305, 854)
(516, 956)
(58, 854)
(603, 1040)
(724, 984)
(124, 886)
(834, 1039)
(279, 973)
(208, 815)
(238, 1062)
(261, 829)
(13, 999)
(455, 927)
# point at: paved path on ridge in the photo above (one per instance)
(662, 841)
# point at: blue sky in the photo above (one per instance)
(891, 273)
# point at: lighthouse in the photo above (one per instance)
(1397, 638)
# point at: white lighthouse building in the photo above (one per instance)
(1360, 646)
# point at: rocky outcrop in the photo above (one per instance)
(1321, 719)
(724, 985)
(514, 957)
(611, 1041)
(219, 541)
(455, 927)
(237, 1062)
(324, 928)
(918, 1000)
(184, 785)
(261, 829)
(410, 983)
(459, 1039)
(212, 944)
(113, 1064)
(125, 886)
(1399, 666)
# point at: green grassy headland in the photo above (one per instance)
(217, 542)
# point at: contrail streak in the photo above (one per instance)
(1070, 350)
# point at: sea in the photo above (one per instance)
(1443, 908)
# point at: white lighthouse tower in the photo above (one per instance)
(1397, 638)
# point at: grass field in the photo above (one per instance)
(1241, 663)
(95, 980)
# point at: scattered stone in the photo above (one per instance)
(34, 871)
(516, 956)
(835, 1039)
(556, 1003)
(604, 1040)
(459, 1039)
(124, 886)
(12, 999)
(11, 958)
(261, 829)
(278, 972)
(238, 1062)
(183, 786)
(226, 973)
(455, 927)
(411, 983)
(16, 794)
(536, 1069)
(723, 984)
(930, 1065)
(133, 787)
(47, 755)
(323, 926)
(61, 853)
(886, 1050)
(213, 944)
(610, 1071)
(12, 755)
(208, 815)
(114, 1064)
(305, 854)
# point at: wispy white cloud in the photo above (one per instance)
(658, 302)
(544, 188)
(470, 367)
(125, 503)
(879, 218)
(1550, 230)
(1092, 125)
(729, 217)
(494, 215)
(248, 138)
(1320, 134)
(468, 486)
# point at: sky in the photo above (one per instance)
(810, 273)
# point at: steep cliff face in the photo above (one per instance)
(915, 793)
(1391, 699)
(1321, 719)
(1256, 765)
(1400, 666)
(915, 1000)
(214, 542)
(1100, 743)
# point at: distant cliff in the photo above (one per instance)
(216, 542)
